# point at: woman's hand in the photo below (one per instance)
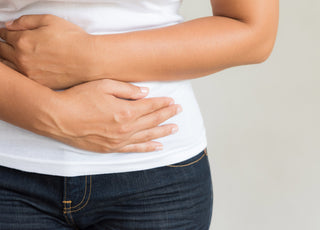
(240, 32)
(47, 49)
(98, 116)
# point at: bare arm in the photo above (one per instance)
(92, 116)
(23, 102)
(240, 32)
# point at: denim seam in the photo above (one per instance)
(191, 163)
(65, 202)
(69, 215)
(85, 204)
(84, 195)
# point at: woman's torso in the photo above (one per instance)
(26, 151)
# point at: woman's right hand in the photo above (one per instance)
(111, 116)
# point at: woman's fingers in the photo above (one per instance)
(129, 91)
(7, 52)
(153, 133)
(11, 37)
(130, 126)
(150, 146)
(142, 141)
(156, 118)
(6, 48)
(30, 22)
(123, 90)
(150, 105)
(3, 34)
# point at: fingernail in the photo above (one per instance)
(174, 130)
(9, 23)
(172, 102)
(144, 90)
(179, 109)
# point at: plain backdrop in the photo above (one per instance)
(263, 128)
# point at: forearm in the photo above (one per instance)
(25, 103)
(241, 32)
(90, 116)
(187, 50)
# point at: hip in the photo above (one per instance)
(23, 150)
(173, 197)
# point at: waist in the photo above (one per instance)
(24, 150)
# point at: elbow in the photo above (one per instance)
(263, 43)
(263, 37)
(260, 45)
(263, 51)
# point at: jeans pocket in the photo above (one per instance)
(191, 161)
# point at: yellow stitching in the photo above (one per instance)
(72, 220)
(86, 201)
(70, 217)
(71, 211)
(191, 163)
(84, 196)
(67, 219)
(65, 202)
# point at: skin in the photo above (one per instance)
(240, 32)
(92, 116)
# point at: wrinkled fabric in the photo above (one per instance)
(23, 150)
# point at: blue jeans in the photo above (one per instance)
(175, 197)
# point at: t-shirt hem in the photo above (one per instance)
(70, 169)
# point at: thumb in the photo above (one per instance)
(124, 90)
(28, 22)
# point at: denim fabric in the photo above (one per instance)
(175, 197)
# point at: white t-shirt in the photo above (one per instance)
(24, 150)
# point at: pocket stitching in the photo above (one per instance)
(191, 163)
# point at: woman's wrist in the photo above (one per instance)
(46, 120)
(25, 103)
(101, 58)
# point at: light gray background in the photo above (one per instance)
(263, 128)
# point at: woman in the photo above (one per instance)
(89, 49)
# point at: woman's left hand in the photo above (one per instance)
(47, 49)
